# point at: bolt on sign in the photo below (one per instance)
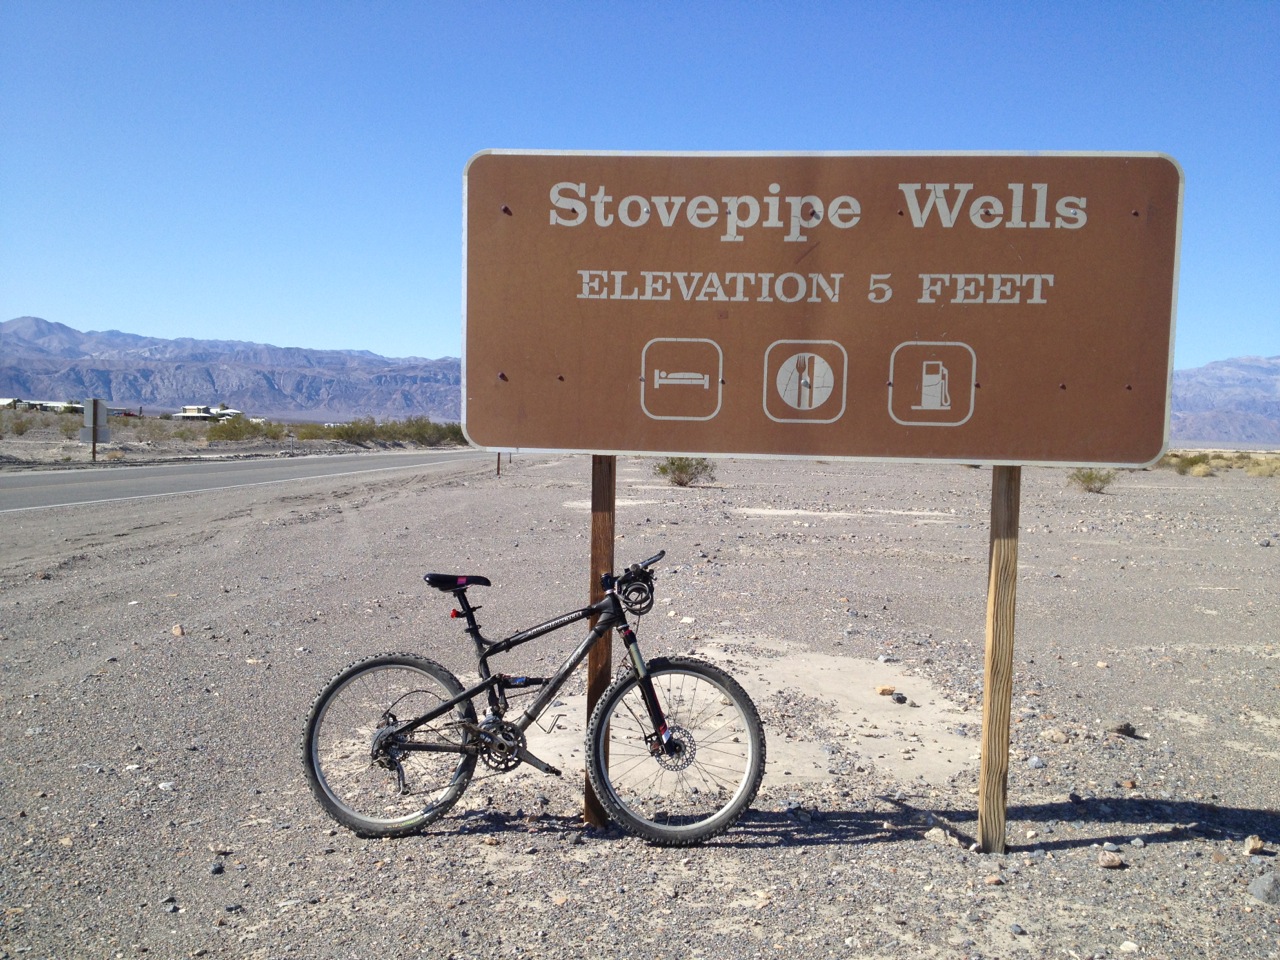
(979, 308)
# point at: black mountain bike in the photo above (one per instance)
(675, 748)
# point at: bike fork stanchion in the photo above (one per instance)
(661, 734)
(604, 476)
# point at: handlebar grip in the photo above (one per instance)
(645, 564)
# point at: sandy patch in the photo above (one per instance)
(934, 516)
(910, 741)
(620, 502)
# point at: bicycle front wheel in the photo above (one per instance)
(382, 786)
(699, 789)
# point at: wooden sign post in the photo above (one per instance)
(997, 702)
(604, 483)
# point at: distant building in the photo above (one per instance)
(60, 406)
(196, 412)
(47, 406)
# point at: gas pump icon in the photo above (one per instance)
(935, 393)
(920, 380)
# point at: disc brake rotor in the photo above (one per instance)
(686, 748)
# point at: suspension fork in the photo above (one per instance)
(661, 740)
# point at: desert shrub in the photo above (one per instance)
(69, 424)
(115, 455)
(416, 430)
(1182, 464)
(19, 425)
(267, 430)
(360, 430)
(1267, 467)
(186, 433)
(312, 431)
(438, 433)
(238, 427)
(241, 427)
(1091, 480)
(421, 431)
(683, 471)
(1201, 464)
(153, 430)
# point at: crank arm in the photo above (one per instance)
(533, 761)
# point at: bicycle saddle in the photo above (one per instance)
(448, 582)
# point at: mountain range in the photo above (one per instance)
(1231, 402)
(50, 361)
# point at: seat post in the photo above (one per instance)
(469, 612)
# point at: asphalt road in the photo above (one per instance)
(39, 490)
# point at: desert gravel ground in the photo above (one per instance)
(157, 660)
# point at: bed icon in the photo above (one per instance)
(680, 378)
(663, 379)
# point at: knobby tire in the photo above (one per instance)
(352, 786)
(700, 791)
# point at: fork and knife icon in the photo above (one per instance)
(804, 381)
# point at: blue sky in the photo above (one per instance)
(291, 173)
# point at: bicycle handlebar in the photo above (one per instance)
(646, 564)
(635, 587)
(635, 572)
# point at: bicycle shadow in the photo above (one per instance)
(492, 823)
(1061, 825)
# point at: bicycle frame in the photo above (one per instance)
(496, 685)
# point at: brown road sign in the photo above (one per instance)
(984, 308)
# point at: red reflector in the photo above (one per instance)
(455, 614)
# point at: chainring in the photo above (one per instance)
(500, 745)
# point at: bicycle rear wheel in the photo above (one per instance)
(399, 789)
(700, 790)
